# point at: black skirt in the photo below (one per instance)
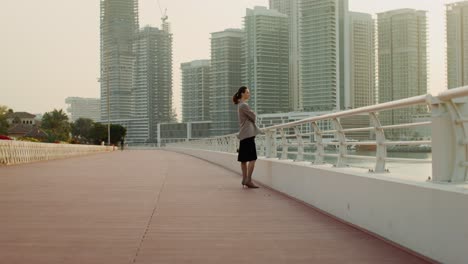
(247, 150)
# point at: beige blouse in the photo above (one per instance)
(247, 118)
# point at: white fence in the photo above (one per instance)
(448, 120)
(17, 152)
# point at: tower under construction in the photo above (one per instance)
(119, 25)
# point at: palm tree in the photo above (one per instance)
(56, 125)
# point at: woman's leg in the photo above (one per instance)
(244, 172)
(250, 170)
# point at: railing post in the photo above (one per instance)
(189, 132)
(213, 143)
(220, 144)
(300, 144)
(159, 134)
(449, 140)
(381, 148)
(260, 143)
(267, 143)
(227, 147)
(340, 163)
(274, 151)
(270, 143)
(320, 148)
(233, 144)
(284, 145)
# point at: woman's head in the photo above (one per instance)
(242, 94)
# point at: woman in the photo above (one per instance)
(248, 130)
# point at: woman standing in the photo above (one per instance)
(248, 130)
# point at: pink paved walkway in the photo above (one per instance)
(163, 207)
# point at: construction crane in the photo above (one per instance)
(164, 16)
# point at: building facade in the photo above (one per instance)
(324, 55)
(265, 68)
(119, 24)
(291, 9)
(362, 60)
(181, 132)
(402, 62)
(457, 44)
(84, 108)
(152, 93)
(196, 91)
(226, 60)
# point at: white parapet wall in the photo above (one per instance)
(17, 152)
(428, 218)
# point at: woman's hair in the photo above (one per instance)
(236, 98)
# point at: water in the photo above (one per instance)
(367, 163)
(400, 154)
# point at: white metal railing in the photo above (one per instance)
(449, 141)
(17, 152)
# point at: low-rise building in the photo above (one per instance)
(21, 118)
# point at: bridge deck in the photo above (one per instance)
(163, 207)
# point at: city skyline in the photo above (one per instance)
(38, 74)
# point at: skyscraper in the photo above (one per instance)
(457, 44)
(119, 24)
(152, 94)
(266, 60)
(291, 9)
(402, 60)
(226, 59)
(84, 108)
(362, 61)
(196, 91)
(324, 59)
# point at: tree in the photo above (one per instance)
(56, 125)
(3, 120)
(99, 133)
(118, 133)
(81, 130)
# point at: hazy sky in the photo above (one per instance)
(49, 49)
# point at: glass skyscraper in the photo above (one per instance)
(196, 91)
(152, 94)
(226, 60)
(119, 25)
(402, 61)
(457, 44)
(324, 54)
(266, 60)
(362, 60)
(291, 9)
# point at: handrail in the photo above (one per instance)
(453, 93)
(17, 152)
(448, 114)
(367, 109)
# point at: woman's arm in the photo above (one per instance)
(245, 109)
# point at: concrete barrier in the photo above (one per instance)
(427, 218)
